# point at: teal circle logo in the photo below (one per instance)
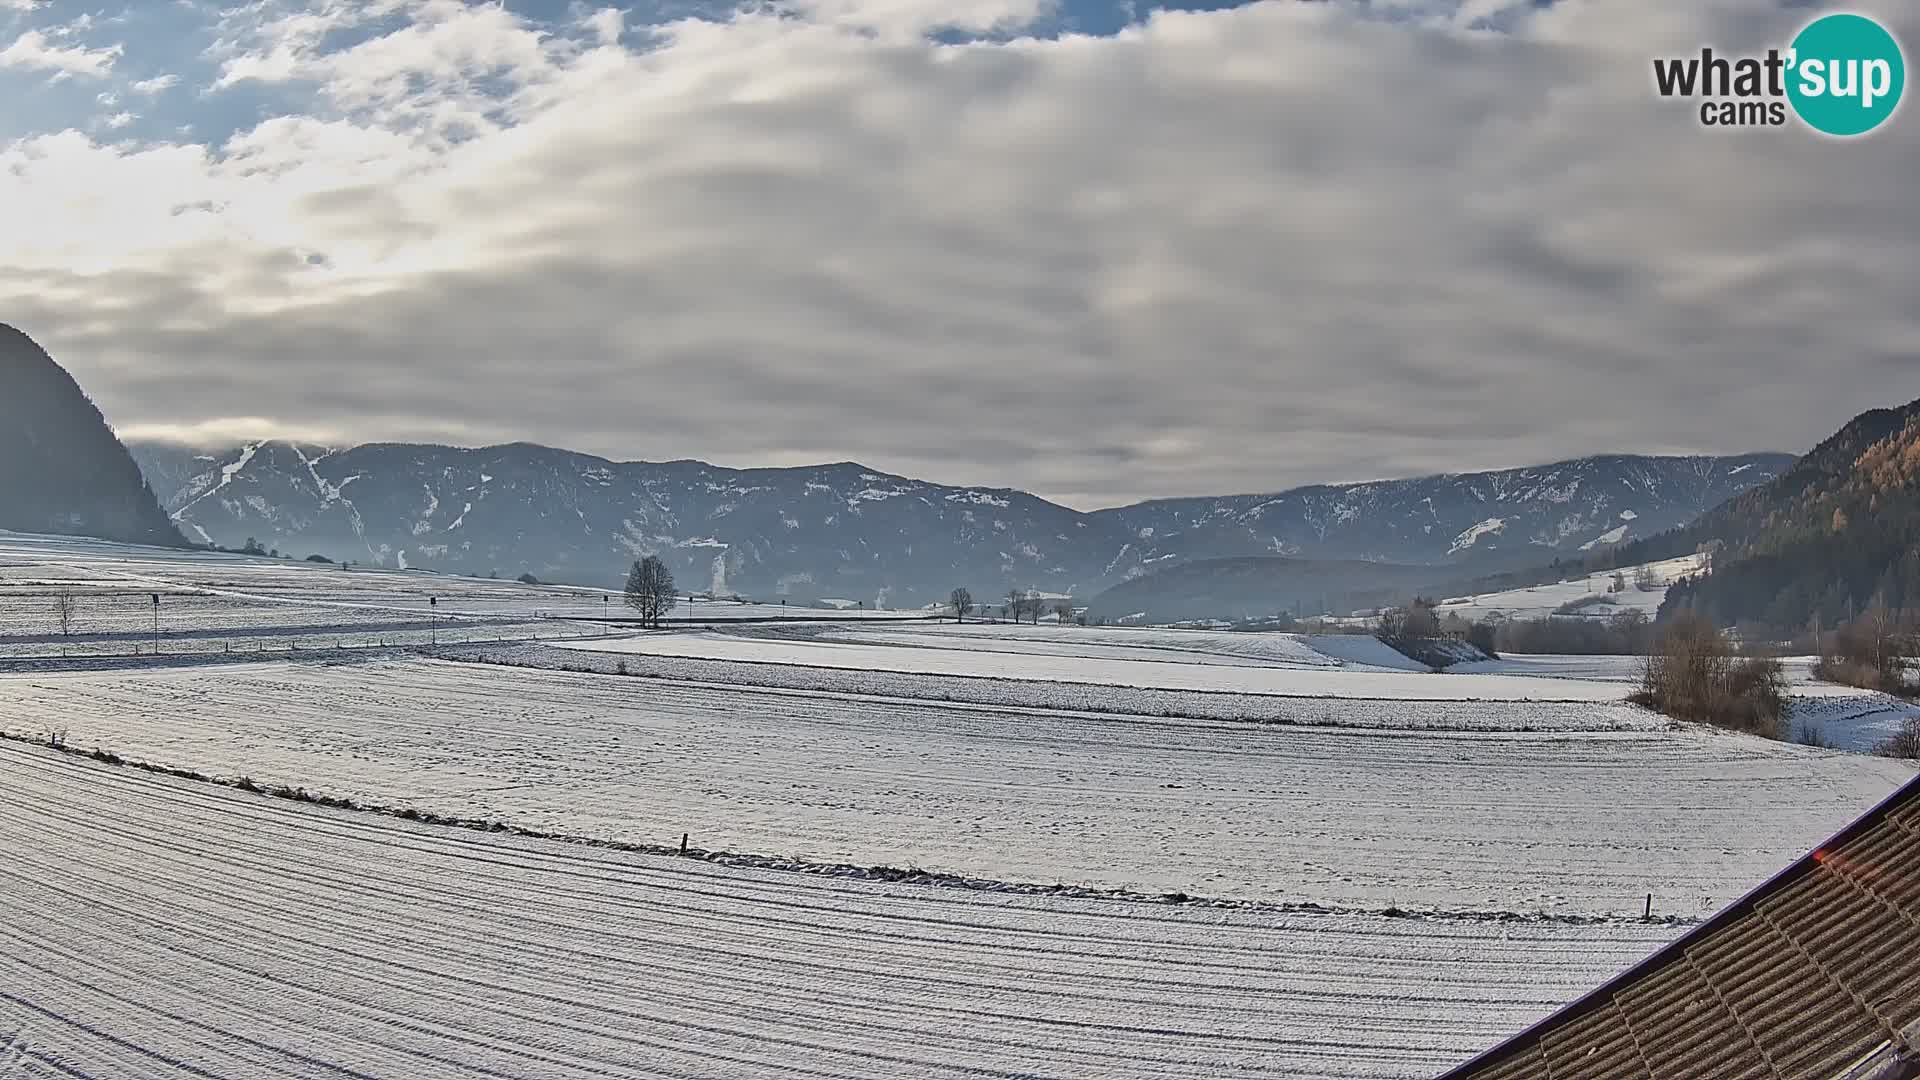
(1847, 74)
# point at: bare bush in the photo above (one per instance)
(1580, 604)
(1813, 735)
(1903, 744)
(1872, 652)
(1415, 622)
(1627, 633)
(1693, 674)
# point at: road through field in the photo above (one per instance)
(1361, 817)
(160, 928)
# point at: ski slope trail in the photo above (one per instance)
(156, 928)
(1352, 814)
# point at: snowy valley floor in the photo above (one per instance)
(1484, 839)
(153, 927)
(1346, 808)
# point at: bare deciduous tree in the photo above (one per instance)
(961, 601)
(1872, 651)
(1416, 621)
(1025, 603)
(63, 613)
(1694, 674)
(650, 590)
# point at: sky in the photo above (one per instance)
(1097, 250)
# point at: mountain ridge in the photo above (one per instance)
(62, 468)
(845, 529)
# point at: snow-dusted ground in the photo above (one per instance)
(1511, 821)
(1368, 712)
(155, 927)
(964, 659)
(159, 928)
(1539, 601)
(1123, 643)
(216, 602)
(1845, 717)
(1860, 720)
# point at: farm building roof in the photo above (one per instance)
(1815, 974)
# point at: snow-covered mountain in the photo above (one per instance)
(1566, 507)
(848, 531)
(826, 531)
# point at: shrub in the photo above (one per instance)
(1483, 636)
(1415, 622)
(1581, 603)
(1903, 744)
(1627, 633)
(1815, 736)
(1871, 652)
(1693, 674)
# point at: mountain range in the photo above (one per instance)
(848, 531)
(61, 468)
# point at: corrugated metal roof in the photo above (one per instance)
(1815, 974)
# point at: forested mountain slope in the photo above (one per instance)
(62, 470)
(1838, 531)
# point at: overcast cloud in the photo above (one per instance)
(1224, 251)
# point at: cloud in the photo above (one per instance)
(155, 86)
(225, 431)
(606, 24)
(1234, 250)
(34, 50)
(906, 19)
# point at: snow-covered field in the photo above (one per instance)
(1123, 643)
(1845, 717)
(1539, 601)
(159, 928)
(1149, 701)
(217, 602)
(1859, 720)
(1574, 821)
(859, 650)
